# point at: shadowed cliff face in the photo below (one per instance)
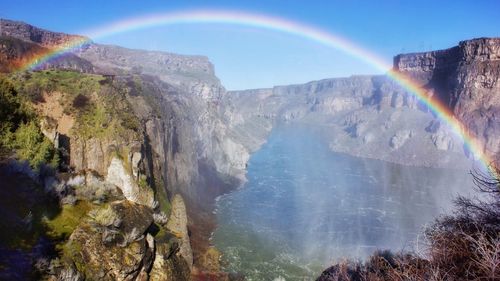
(20, 43)
(466, 78)
(16, 53)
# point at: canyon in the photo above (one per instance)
(191, 140)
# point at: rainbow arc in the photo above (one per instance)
(281, 25)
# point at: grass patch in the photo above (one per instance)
(67, 220)
(33, 84)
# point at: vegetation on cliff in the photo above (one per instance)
(99, 105)
(19, 131)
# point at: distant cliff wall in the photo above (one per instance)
(372, 116)
(466, 78)
(30, 33)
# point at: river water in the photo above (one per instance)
(305, 207)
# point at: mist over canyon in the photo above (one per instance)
(303, 174)
(305, 207)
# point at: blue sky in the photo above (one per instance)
(247, 57)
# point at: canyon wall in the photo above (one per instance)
(177, 149)
(372, 116)
(466, 78)
(366, 116)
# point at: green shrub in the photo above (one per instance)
(19, 130)
(12, 108)
(33, 84)
(30, 144)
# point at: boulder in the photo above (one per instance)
(111, 243)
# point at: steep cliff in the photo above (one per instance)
(148, 123)
(466, 78)
(112, 198)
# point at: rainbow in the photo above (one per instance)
(281, 25)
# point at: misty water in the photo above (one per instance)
(305, 207)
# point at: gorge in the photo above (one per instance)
(149, 140)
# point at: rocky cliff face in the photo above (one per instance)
(179, 148)
(21, 42)
(16, 53)
(367, 116)
(466, 78)
(111, 189)
(179, 70)
(29, 33)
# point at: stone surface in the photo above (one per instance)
(177, 223)
(110, 245)
(119, 176)
(400, 138)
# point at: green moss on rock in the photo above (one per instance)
(62, 225)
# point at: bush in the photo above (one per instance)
(80, 101)
(12, 109)
(30, 144)
(19, 131)
(467, 243)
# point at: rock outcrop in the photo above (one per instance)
(118, 176)
(113, 243)
(177, 224)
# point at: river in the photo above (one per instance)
(305, 207)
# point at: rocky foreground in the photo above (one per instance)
(146, 140)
